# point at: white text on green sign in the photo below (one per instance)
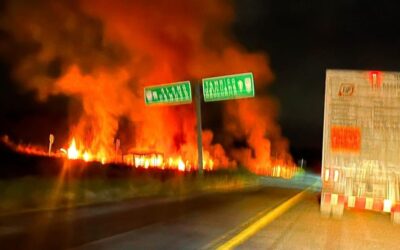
(174, 93)
(228, 87)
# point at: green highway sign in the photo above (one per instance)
(174, 93)
(228, 87)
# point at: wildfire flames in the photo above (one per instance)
(72, 151)
(84, 154)
(145, 160)
(102, 55)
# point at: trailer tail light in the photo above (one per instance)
(336, 176)
(326, 176)
(375, 78)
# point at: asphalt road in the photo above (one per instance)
(200, 222)
(206, 221)
(302, 227)
(203, 222)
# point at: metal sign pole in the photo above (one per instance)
(197, 98)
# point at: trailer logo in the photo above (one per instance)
(346, 89)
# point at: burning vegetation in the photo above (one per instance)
(102, 55)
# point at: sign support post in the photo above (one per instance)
(197, 98)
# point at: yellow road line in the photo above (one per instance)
(263, 221)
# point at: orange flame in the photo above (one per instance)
(72, 152)
(87, 156)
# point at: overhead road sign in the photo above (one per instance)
(228, 87)
(173, 93)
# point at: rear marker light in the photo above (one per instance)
(375, 78)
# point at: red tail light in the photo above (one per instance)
(375, 78)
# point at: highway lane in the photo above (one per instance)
(302, 227)
(200, 222)
(206, 227)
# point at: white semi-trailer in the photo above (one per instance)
(361, 142)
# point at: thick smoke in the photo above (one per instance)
(104, 52)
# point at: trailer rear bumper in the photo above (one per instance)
(333, 205)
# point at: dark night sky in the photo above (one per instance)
(302, 39)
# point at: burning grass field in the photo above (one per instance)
(48, 183)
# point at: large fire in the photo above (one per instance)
(144, 160)
(102, 55)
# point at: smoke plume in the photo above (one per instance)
(103, 53)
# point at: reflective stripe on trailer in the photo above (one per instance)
(387, 205)
(396, 207)
(351, 201)
(360, 203)
(326, 198)
(332, 199)
(377, 204)
(374, 204)
(367, 203)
